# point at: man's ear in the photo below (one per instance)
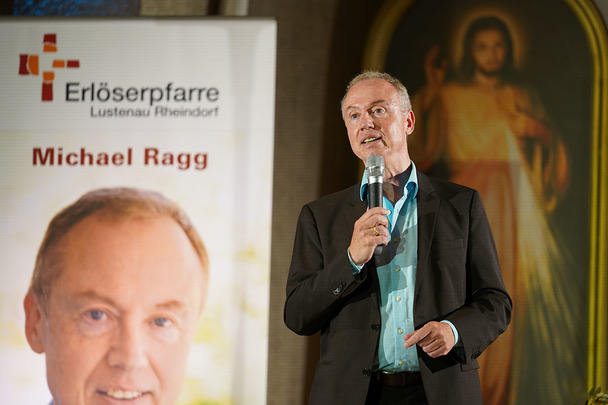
(411, 122)
(33, 322)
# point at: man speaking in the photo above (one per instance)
(404, 326)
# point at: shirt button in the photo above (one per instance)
(396, 240)
(400, 362)
(400, 331)
(398, 298)
(397, 268)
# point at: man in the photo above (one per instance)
(117, 290)
(404, 326)
(487, 131)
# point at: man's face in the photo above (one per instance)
(489, 51)
(120, 318)
(376, 123)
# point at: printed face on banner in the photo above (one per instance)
(121, 314)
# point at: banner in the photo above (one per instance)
(184, 107)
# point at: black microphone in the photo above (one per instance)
(375, 176)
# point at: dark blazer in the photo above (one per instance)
(457, 279)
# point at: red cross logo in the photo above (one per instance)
(28, 65)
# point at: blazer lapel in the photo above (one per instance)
(355, 209)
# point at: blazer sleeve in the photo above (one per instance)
(320, 276)
(487, 310)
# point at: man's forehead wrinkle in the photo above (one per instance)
(171, 305)
(91, 295)
(86, 296)
(370, 104)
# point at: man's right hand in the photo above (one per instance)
(370, 230)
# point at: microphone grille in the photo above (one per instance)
(375, 165)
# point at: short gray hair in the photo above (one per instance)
(404, 97)
(114, 204)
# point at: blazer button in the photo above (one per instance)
(375, 327)
(339, 289)
(367, 372)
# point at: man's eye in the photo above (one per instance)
(97, 315)
(378, 111)
(162, 322)
(95, 322)
(354, 116)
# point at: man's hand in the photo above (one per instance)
(435, 338)
(369, 231)
(526, 126)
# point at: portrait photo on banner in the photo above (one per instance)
(502, 94)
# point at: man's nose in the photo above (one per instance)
(367, 121)
(127, 349)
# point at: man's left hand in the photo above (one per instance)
(435, 338)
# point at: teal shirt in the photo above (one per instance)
(397, 278)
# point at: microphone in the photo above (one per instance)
(375, 176)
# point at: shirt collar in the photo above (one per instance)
(410, 190)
